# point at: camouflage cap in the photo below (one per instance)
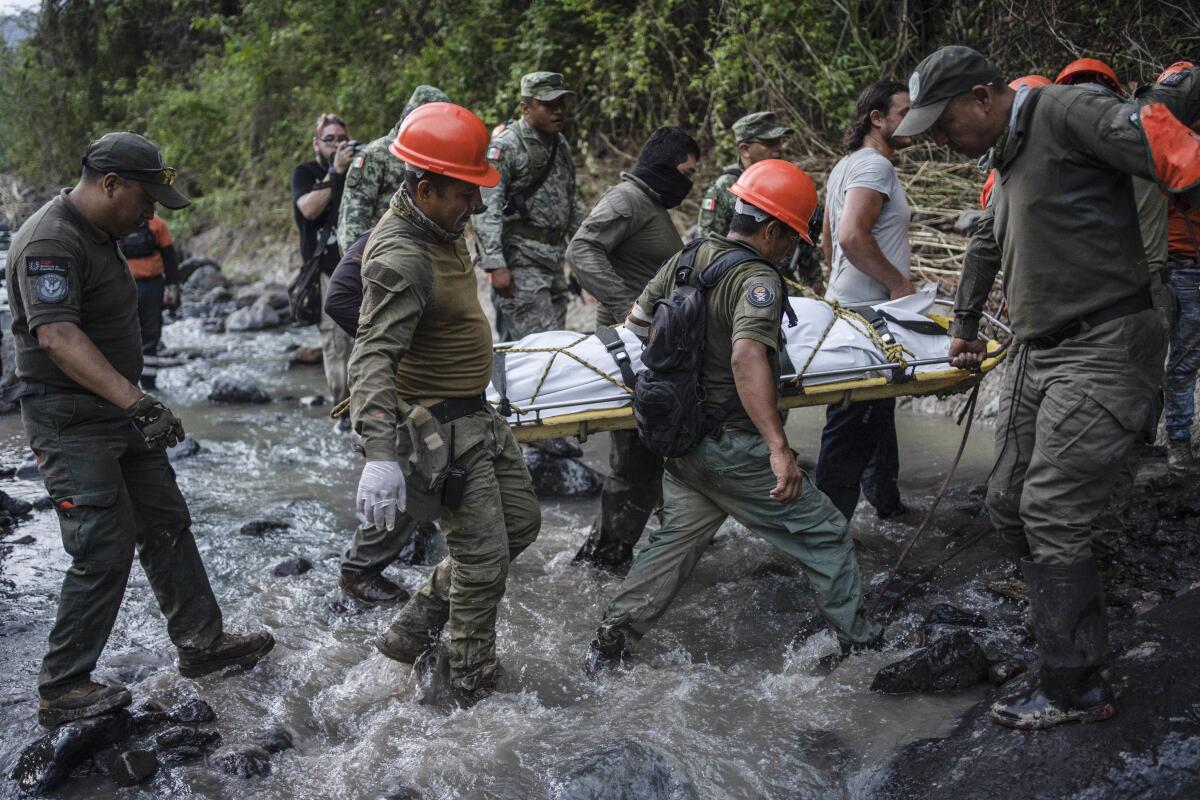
(135, 158)
(544, 86)
(424, 94)
(759, 125)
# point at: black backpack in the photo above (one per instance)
(668, 401)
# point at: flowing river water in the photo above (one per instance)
(727, 687)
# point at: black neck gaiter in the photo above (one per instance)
(671, 184)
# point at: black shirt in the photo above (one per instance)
(344, 295)
(304, 177)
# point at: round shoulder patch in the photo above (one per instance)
(50, 288)
(759, 294)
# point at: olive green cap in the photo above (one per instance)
(544, 86)
(134, 157)
(759, 125)
(940, 78)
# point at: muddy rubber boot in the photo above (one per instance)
(80, 701)
(1066, 605)
(1180, 460)
(612, 556)
(371, 588)
(231, 650)
(607, 651)
(414, 630)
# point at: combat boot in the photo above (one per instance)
(1180, 460)
(80, 701)
(415, 629)
(371, 588)
(231, 650)
(1066, 605)
(607, 651)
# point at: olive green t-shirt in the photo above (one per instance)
(62, 268)
(746, 304)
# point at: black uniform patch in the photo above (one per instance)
(759, 295)
(49, 275)
(1173, 80)
(46, 265)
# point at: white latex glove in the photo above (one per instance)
(380, 493)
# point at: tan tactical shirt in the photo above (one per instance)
(421, 332)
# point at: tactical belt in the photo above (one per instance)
(33, 389)
(1134, 304)
(457, 407)
(550, 236)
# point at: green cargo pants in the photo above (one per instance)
(731, 477)
(499, 517)
(632, 490)
(1069, 417)
(372, 550)
(113, 495)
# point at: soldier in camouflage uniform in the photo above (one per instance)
(533, 212)
(759, 136)
(375, 175)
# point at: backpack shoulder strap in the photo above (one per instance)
(685, 265)
(500, 381)
(723, 264)
(616, 348)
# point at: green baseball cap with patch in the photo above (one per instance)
(134, 157)
(544, 86)
(940, 78)
(759, 125)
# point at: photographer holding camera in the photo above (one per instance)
(317, 193)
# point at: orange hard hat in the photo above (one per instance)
(1082, 70)
(1178, 66)
(781, 189)
(446, 139)
(1029, 80)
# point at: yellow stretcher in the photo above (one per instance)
(539, 422)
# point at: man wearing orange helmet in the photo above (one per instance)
(421, 362)
(745, 469)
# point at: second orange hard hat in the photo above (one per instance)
(781, 189)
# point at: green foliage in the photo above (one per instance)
(230, 88)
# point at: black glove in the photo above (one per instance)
(155, 422)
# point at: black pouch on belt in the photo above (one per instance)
(455, 481)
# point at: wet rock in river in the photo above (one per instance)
(189, 265)
(1150, 749)
(192, 711)
(312, 400)
(29, 471)
(43, 503)
(399, 793)
(296, 565)
(217, 296)
(952, 662)
(555, 476)
(274, 739)
(185, 743)
(258, 317)
(186, 449)
(259, 527)
(946, 614)
(624, 770)
(204, 279)
(306, 356)
(226, 389)
(47, 762)
(242, 760)
(14, 506)
(133, 767)
(26, 539)
(146, 715)
(1003, 671)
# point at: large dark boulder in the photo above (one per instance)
(242, 760)
(226, 389)
(952, 662)
(624, 770)
(47, 762)
(1150, 750)
(558, 476)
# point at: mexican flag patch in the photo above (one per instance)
(493, 153)
(709, 204)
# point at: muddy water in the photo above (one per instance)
(727, 687)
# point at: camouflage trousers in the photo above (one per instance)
(499, 517)
(1070, 416)
(336, 345)
(731, 477)
(539, 299)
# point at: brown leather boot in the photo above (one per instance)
(80, 701)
